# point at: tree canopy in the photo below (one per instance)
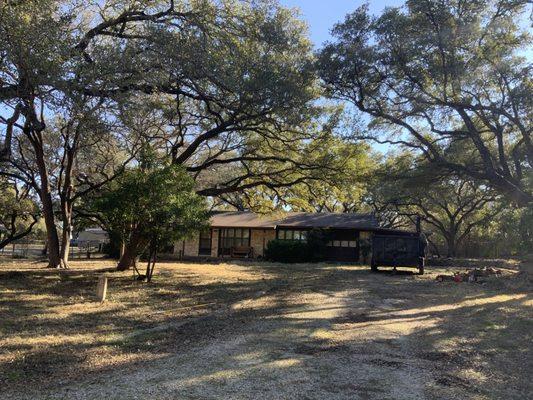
(222, 88)
(433, 74)
(231, 94)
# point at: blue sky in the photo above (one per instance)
(321, 15)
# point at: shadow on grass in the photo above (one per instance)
(279, 329)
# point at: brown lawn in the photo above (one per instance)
(262, 331)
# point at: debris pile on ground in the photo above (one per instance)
(472, 275)
(456, 262)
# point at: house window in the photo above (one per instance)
(289, 234)
(234, 237)
(342, 243)
(205, 243)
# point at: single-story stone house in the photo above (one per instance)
(246, 234)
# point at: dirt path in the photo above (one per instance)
(329, 332)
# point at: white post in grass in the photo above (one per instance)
(101, 288)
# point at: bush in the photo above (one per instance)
(289, 251)
(316, 240)
(294, 251)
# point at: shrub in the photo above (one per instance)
(290, 251)
(111, 249)
(294, 251)
(316, 240)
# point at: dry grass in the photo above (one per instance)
(256, 330)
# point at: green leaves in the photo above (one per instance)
(437, 72)
(157, 205)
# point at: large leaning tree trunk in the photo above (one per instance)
(128, 259)
(134, 246)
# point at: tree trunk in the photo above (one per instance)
(128, 259)
(451, 243)
(122, 248)
(65, 194)
(132, 249)
(52, 239)
(54, 259)
(151, 262)
(66, 235)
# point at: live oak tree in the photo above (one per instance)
(233, 96)
(449, 206)
(232, 103)
(434, 73)
(509, 233)
(31, 48)
(149, 208)
(453, 208)
(382, 189)
(227, 83)
(342, 187)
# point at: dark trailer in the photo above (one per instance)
(394, 248)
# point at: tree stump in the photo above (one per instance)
(101, 288)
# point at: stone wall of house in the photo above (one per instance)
(191, 246)
(259, 240)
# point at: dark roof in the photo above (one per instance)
(329, 220)
(246, 219)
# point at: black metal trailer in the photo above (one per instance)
(398, 249)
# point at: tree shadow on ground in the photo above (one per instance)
(301, 331)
